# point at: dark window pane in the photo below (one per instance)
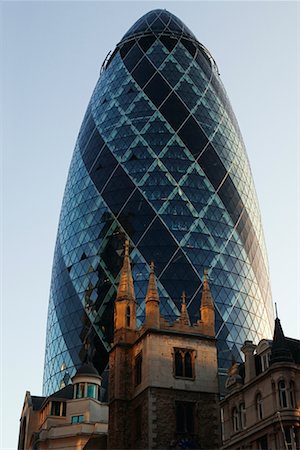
(157, 89)
(178, 364)
(174, 111)
(193, 137)
(143, 72)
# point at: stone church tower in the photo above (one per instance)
(163, 386)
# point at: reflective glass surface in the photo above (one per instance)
(160, 161)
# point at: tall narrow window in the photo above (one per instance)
(259, 407)
(282, 394)
(242, 416)
(138, 369)
(185, 417)
(292, 394)
(188, 365)
(128, 316)
(235, 420)
(178, 364)
(222, 424)
(80, 390)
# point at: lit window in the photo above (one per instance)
(185, 412)
(282, 394)
(77, 419)
(184, 363)
(138, 369)
(259, 407)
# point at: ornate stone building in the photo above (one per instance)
(72, 418)
(262, 407)
(163, 377)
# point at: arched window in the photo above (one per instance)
(259, 407)
(128, 316)
(184, 363)
(242, 415)
(235, 420)
(292, 394)
(282, 394)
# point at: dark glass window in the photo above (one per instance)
(178, 364)
(193, 137)
(55, 409)
(174, 111)
(263, 443)
(188, 367)
(157, 90)
(183, 363)
(138, 369)
(133, 57)
(185, 417)
(143, 72)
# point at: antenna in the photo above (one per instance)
(276, 312)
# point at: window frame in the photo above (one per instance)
(259, 406)
(184, 411)
(77, 419)
(283, 393)
(182, 352)
(138, 369)
(235, 419)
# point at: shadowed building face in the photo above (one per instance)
(159, 160)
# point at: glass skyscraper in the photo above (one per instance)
(159, 160)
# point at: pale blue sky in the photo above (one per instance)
(52, 54)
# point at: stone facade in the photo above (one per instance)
(262, 407)
(163, 386)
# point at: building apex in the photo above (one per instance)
(152, 292)
(126, 288)
(280, 350)
(184, 316)
(206, 299)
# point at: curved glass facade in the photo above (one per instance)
(159, 160)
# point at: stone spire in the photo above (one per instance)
(280, 350)
(206, 299)
(125, 288)
(207, 310)
(152, 301)
(184, 316)
(125, 304)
